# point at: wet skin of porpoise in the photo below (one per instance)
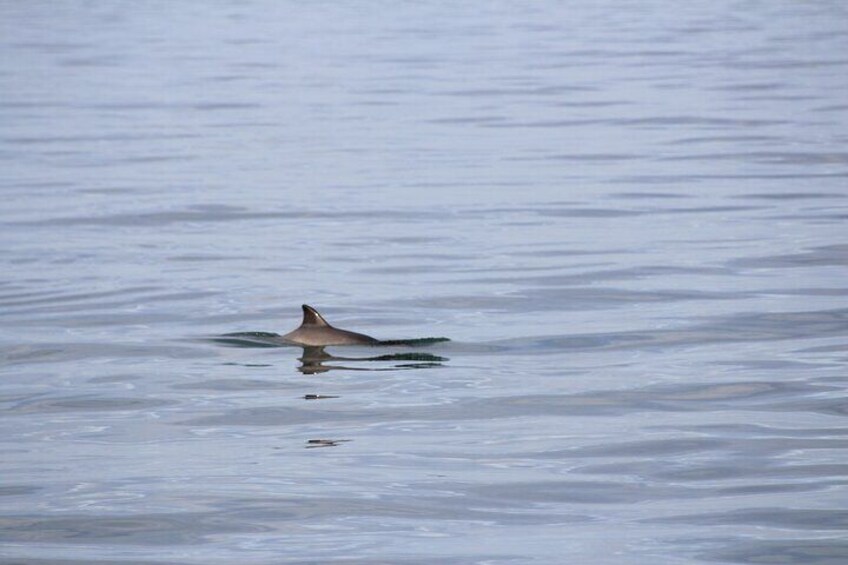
(315, 331)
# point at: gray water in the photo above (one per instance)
(629, 218)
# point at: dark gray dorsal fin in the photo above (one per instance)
(311, 317)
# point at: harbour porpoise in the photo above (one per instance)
(316, 331)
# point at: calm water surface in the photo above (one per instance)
(630, 218)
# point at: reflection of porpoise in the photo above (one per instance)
(316, 331)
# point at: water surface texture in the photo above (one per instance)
(629, 217)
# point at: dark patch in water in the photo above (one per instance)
(419, 342)
(313, 443)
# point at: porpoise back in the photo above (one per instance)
(316, 331)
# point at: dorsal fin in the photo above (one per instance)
(311, 317)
